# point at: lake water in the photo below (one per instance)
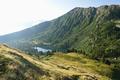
(42, 49)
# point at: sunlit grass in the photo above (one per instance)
(57, 66)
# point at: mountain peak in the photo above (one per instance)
(101, 7)
(73, 29)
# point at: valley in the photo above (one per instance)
(83, 44)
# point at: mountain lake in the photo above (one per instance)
(42, 49)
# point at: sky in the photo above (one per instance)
(16, 15)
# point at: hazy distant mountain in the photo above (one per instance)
(94, 31)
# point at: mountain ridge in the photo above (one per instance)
(81, 29)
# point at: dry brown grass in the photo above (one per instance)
(59, 65)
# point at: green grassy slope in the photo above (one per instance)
(16, 65)
(87, 30)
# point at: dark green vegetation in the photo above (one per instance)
(94, 32)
